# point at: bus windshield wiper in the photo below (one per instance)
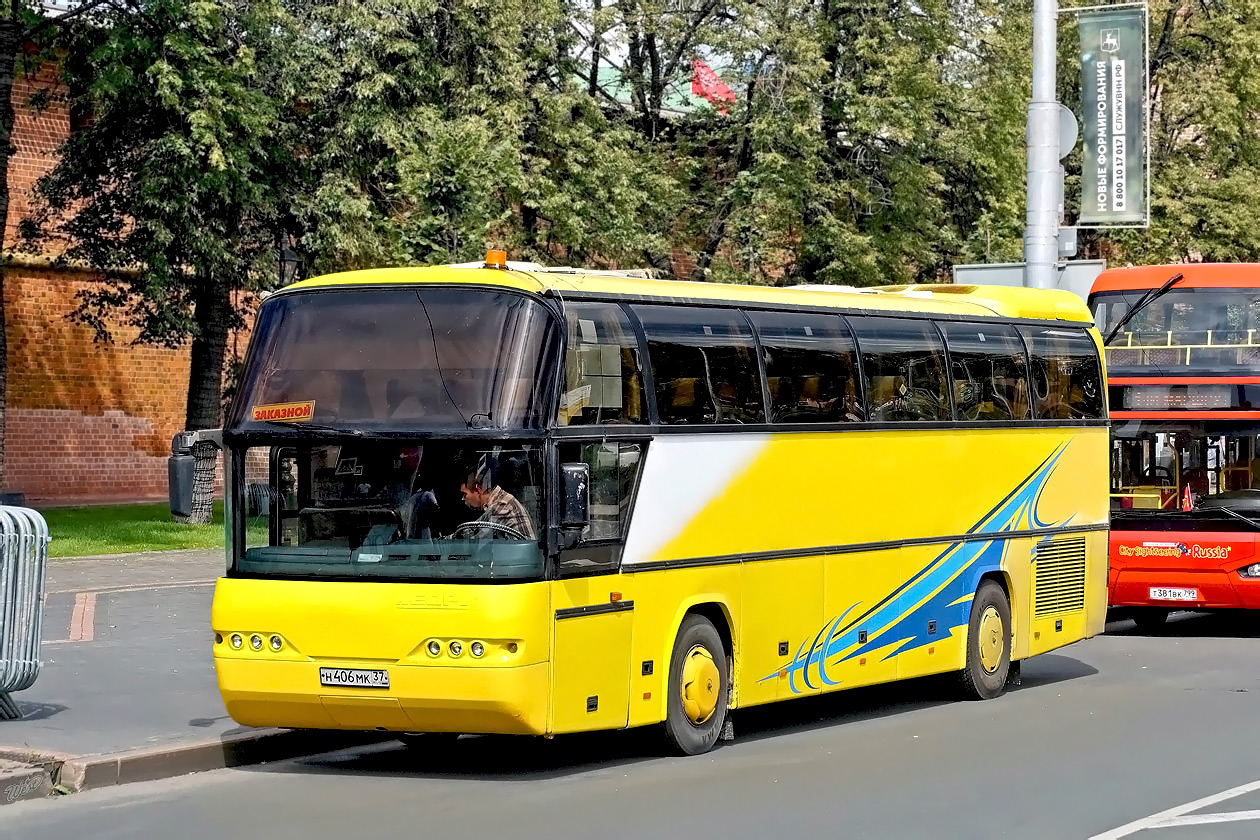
(1142, 302)
(312, 427)
(1253, 523)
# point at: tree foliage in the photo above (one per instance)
(870, 141)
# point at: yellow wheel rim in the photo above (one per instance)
(701, 684)
(991, 645)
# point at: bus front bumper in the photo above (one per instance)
(420, 698)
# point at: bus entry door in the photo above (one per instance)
(590, 662)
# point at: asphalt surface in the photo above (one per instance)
(126, 656)
(1101, 734)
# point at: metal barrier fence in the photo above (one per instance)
(23, 565)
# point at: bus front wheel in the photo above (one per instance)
(699, 687)
(988, 643)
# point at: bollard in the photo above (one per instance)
(23, 568)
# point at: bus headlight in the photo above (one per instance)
(435, 648)
(456, 648)
(477, 648)
(237, 641)
(255, 641)
(1250, 571)
(276, 643)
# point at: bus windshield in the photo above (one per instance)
(393, 510)
(409, 358)
(1155, 461)
(1184, 329)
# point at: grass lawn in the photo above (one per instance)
(123, 529)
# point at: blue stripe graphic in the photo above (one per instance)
(929, 594)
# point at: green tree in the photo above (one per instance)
(1205, 138)
(848, 158)
(21, 23)
(436, 128)
(176, 192)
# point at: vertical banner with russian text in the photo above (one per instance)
(1113, 99)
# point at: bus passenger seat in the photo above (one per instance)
(883, 389)
(1019, 399)
(811, 387)
(684, 395)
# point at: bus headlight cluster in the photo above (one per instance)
(252, 641)
(455, 648)
(1250, 571)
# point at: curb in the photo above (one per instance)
(71, 773)
(19, 782)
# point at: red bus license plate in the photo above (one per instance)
(1163, 593)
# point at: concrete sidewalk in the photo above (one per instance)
(128, 689)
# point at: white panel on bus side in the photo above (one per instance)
(681, 475)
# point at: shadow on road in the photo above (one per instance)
(38, 711)
(508, 758)
(1227, 624)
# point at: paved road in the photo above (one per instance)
(1105, 733)
(126, 656)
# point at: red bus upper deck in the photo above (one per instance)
(1183, 376)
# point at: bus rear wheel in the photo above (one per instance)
(699, 687)
(988, 644)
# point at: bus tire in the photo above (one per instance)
(1149, 619)
(988, 644)
(699, 688)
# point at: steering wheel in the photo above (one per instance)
(494, 527)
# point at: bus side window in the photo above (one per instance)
(1066, 379)
(704, 366)
(603, 380)
(614, 468)
(811, 367)
(903, 361)
(990, 371)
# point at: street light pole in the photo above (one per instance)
(1041, 224)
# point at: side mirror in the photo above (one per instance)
(575, 495)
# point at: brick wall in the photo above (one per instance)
(37, 134)
(85, 422)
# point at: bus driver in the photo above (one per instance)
(497, 506)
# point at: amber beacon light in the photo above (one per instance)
(496, 259)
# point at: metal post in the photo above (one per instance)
(1041, 226)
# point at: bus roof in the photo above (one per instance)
(965, 300)
(1196, 275)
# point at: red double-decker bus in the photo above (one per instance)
(1183, 375)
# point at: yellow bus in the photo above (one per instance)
(506, 499)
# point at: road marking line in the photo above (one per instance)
(175, 584)
(1207, 819)
(83, 619)
(182, 584)
(1155, 820)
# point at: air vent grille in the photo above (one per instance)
(1059, 586)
